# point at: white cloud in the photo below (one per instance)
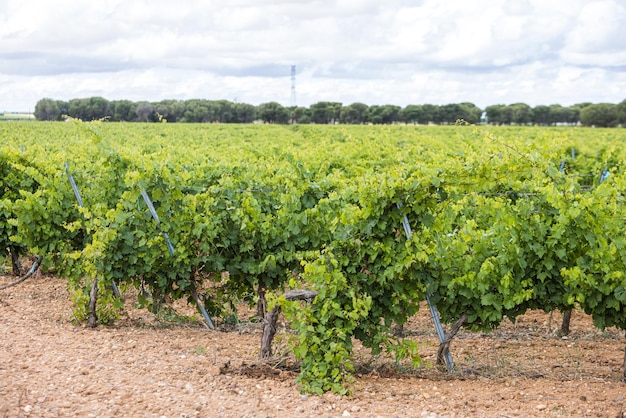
(599, 36)
(397, 51)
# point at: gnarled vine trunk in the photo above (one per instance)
(15, 261)
(261, 306)
(269, 331)
(93, 296)
(271, 319)
(444, 347)
(567, 317)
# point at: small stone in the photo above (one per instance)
(214, 370)
(189, 388)
(345, 413)
(541, 407)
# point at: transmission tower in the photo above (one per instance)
(292, 101)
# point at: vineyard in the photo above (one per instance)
(483, 223)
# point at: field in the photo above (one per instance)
(136, 225)
(141, 367)
(17, 117)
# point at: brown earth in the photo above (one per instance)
(141, 367)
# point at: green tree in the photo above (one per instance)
(298, 114)
(452, 112)
(600, 114)
(521, 114)
(470, 112)
(385, 114)
(47, 109)
(355, 113)
(325, 112)
(244, 113)
(196, 110)
(123, 111)
(621, 113)
(145, 112)
(91, 108)
(411, 114)
(273, 112)
(430, 113)
(497, 114)
(541, 115)
(170, 110)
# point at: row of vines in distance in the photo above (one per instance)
(504, 220)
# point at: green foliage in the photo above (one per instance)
(600, 114)
(324, 343)
(502, 221)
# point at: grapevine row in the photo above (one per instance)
(500, 226)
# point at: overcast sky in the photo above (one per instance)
(372, 51)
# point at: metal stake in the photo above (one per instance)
(433, 309)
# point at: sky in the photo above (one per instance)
(376, 52)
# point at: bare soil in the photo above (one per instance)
(144, 367)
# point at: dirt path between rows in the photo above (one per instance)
(141, 367)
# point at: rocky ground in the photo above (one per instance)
(141, 367)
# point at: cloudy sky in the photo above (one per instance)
(372, 51)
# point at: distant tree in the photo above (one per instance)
(325, 112)
(411, 114)
(470, 112)
(355, 113)
(245, 113)
(63, 107)
(621, 113)
(521, 113)
(567, 115)
(298, 114)
(541, 115)
(196, 110)
(452, 112)
(496, 114)
(145, 112)
(224, 111)
(385, 114)
(170, 110)
(430, 113)
(91, 108)
(77, 108)
(600, 114)
(47, 109)
(124, 111)
(99, 108)
(273, 112)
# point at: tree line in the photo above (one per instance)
(324, 112)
